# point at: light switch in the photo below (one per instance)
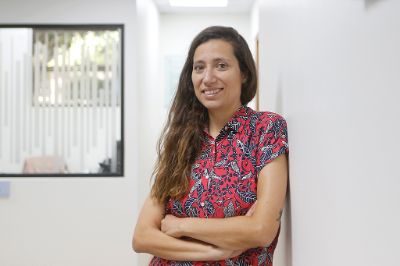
(4, 189)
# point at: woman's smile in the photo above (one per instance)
(211, 91)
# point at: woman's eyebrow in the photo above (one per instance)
(198, 61)
(218, 59)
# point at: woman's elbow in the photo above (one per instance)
(264, 241)
(138, 243)
(265, 235)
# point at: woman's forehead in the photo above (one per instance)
(214, 50)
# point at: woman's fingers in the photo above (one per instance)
(252, 209)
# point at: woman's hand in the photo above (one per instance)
(171, 225)
(252, 209)
(223, 254)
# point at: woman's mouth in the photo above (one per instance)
(211, 92)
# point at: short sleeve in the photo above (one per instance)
(273, 139)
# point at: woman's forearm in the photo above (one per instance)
(161, 245)
(241, 232)
(236, 233)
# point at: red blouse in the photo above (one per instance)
(224, 177)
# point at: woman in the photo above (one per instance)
(221, 175)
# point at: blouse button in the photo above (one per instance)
(202, 204)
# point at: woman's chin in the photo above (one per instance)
(211, 105)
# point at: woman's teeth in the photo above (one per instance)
(211, 92)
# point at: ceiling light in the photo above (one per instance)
(198, 3)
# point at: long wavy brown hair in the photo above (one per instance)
(180, 141)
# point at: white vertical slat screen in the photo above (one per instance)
(1, 97)
(57, 98)
(81, 119)
(63, 96)
(44, 92)
(95, 106)
(11, 98)
(18, 117)
(24, 99)
(114, 95)
(36, 74)
(54, 92)
(106, 99)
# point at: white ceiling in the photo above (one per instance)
(234, 6)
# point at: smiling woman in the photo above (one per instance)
(221, 174)
(61, 100)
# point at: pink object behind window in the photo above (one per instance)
(45, 164)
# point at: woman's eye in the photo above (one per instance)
(197, 68)
(222, 66)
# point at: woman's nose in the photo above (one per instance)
(209, 76)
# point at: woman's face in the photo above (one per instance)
(216, 76)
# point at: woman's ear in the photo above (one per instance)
(244, 78)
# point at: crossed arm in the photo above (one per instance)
(149, 238)
(199, 239)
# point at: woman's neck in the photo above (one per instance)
(217, 120)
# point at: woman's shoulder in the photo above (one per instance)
(266, 117)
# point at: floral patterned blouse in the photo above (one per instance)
(223, 180)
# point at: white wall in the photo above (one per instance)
(178, 30)
(255, 23)
(75, 221)
(151, 99)
(332, 69)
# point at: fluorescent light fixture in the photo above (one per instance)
(198, 3)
